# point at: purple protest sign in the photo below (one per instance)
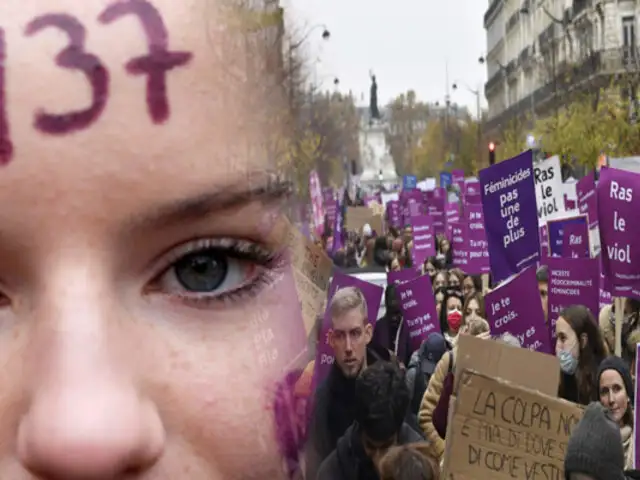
(605, 289)
(338, 234)
(587, 199)
(436, 212)
(515, 307)
(543, 234)
(393, 213)
(472, 191)
(619, 232)
(568, 203)
(328, 197)
(555, 231)
(575, 241)
(478, 262)
(418, 309)
(457, 178)
(459, 243)
(372, 295)
(423, 239)
(402, 276)
(452, 212)
(572, 281)
(636, 422)
(510, 215)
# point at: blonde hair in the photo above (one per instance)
(347, 299)
(409, 462)
(509, 339)
(475, 326)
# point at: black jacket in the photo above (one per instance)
(349, 460)
(333, 413)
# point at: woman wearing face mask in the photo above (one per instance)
(455, 277)
(630, 325)
(451, 315)
(615, 387)
(580, 349)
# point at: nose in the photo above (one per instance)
(85, 418)
(348, 345)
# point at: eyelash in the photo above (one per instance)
(269, 264)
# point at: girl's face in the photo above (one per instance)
(454, 303)
(395, 265)
(439, 281)
(429, 269)
(473, 309)
(444, 246)
(138, 265)
(566, 338)
(613, 394)
(454, 281)
(468, 288)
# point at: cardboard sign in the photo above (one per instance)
(311, 270)
(358, 217)
(503, 431)
(520, 366)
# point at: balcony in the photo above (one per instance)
(512, 22)
(493, 8)
(494, 81)
(570, 78)
(579, 6)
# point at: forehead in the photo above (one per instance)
(563, 326)
(348, 320)
(210, 134)
(611, 377)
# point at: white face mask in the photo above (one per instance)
(568, 363)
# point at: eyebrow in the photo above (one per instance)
(268, 191)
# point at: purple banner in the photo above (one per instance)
(575, 242)
(478, 246)
(543, 234)
(510, 215)
(515, 307)
(457, 178)
(452, 212)
(373, 296)
(572, 281)
(619, 230)
(424, 245)
(436, 212)
(402, 276)
(587, 199)
(393, 214)
(555, 230)
(328, 196)
(418, 309)
(459, 244)
(338, 234)
(472, 191)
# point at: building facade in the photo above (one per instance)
(539, 51)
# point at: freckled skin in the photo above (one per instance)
(102, 376)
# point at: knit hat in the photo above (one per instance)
(595, 446)
(620, 366)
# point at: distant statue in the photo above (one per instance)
(373, 99)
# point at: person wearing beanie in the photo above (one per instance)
(615, 387)
(594, 450)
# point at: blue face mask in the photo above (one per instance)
(568, 363)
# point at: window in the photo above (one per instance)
(629, 38)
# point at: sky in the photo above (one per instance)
(406, 43)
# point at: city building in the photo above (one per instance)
(541, 51)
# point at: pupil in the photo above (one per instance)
(202, 271)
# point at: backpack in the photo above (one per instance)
(421, 383)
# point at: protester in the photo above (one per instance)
(439, 298)
(617, 395)
(422, 365)
(580, 349)
(381, 402)
(409, 462)
(630, 328)
(445, 253)
(429, 268)
(594, 450)
(474, 307)
(471, 285)
(451, 315)
(542, 276)
(443, 376)
(440, 280)
(335, 401)
(390, 331)
(455, 278)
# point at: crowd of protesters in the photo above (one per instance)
(382, 412)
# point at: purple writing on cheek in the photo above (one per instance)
(73, 57)
(159, 60)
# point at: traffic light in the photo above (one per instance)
(492, 153)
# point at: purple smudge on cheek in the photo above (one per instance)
(290, 424)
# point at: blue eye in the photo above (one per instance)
(202, 271)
